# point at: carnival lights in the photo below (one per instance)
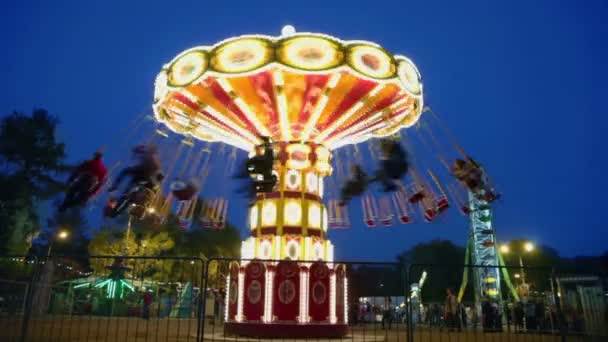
(309, 93)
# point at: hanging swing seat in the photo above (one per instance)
(213, 213)
(183, 191)
(417, 193)
(184, 223)
(370, 210)
(429, 214)
(405, 219)
(385, 214)
(337, 215)
(442, 204)
(219, 223)
(401, 204)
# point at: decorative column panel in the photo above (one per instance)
(303, 318)
(346, 300)
(227, 301)
(332, 297)
(241, 297)
(269, 294)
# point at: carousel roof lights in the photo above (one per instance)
(319, 108)
(288, 30)
(251, 139)
(249, 114)
(282, 105)
(375, 117)
(239, 87)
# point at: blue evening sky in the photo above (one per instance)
(522, 84)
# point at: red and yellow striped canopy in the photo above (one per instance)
(302, 87)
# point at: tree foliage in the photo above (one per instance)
(111, 241)
(31, 154)
(168, 239)
(442, 260)
(30, 160)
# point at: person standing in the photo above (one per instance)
(463, 317)
(147, 301)
(451, 310)
(387, 313)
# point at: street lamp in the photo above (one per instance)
(528, 247)
(62, 234)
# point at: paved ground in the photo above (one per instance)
(97, 329)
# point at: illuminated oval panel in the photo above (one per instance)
(309, 53)
(317, 251)
(314, 215)
(265, 249)
(321, 187)
(293, 249)
(409, 76)
(298, 156)
(242, 55)
(312, 182)
(269, 214)
(325, 219)
(293, 213)
(293, 179)
(371, 61)
(253, 217)
(187, 68)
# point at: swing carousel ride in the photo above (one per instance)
(307, 97)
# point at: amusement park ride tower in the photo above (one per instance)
(311, 94)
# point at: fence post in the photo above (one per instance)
(202, 308)
(27, 309)
(408, 303)
(560, 314)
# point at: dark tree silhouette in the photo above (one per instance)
(445, 256)
(30, 160)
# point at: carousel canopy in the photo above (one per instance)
(298, 87)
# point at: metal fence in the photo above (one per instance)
(122, 299)
(184, 299)
(530, 306)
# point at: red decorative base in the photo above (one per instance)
(292, 330)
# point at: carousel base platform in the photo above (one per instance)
(283, 330)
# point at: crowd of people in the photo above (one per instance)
(530, 316)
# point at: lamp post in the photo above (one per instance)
(62, 235)
(527, 247)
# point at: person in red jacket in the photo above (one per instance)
(85, 181)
